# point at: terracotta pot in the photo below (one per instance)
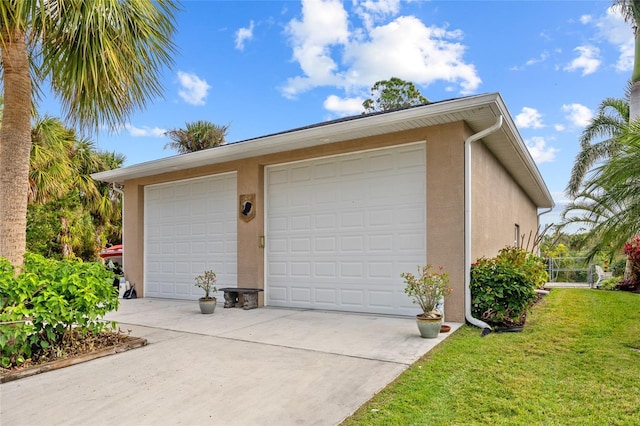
(428, 327)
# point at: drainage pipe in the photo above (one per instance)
(486, 328)
(121, 192)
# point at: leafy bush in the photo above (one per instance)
(39, 307)
(610, 283)
(534, 267)
(617, 267)
(503, 288)
(632, 250)
(628, 285)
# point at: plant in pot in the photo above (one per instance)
(206, 281)
(428, 288)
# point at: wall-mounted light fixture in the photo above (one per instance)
(247, 207)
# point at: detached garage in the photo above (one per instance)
(328, 216)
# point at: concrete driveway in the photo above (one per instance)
(266, 366)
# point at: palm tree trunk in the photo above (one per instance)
(628, 270)
(634, 96)
(65, 238)
(15, 146)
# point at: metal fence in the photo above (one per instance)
(570, 270)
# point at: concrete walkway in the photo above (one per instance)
(265, 366)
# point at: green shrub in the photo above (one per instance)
(534, 267)
(503, 288)
(617, 267)
(610, 283)
(39, 307)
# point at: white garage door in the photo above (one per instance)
(189, 226)
(340, 230)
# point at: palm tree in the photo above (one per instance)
(610, 202)
(51, 174)
(630, 10)
(103, 60)
(610, 122)
(107, 215)
(60, 180)
(197, 136)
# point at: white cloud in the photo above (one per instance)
(343, 106)
(559, 127)
(617, 32)
(529, 118)
(311, 44)
(585, 19)
(193, 89)
(560, 197)
(144, 131)
(539, 150)
(408, 49)
(532, 61)
(588, 60)
(354, 60)
(372, 11)
(543, 57)
(244, 34)
(579, 115)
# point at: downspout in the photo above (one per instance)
(121, 192)
(486, 328)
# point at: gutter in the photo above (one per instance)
(486, 328)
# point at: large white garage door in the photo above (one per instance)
(340, 230)
(189, 226)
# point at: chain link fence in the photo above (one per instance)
(570, 270)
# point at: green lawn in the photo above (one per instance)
(577, 362)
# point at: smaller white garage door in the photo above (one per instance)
(189, 226)
(340, 230)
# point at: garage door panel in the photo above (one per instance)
(325, 270)
(190, 227)
(353, 299)
(342, 229)
(352, 166)
(301, 295)
(326, 296)
(410, 242)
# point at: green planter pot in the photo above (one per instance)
(429, 327)
(207, 306)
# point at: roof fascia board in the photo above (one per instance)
(303, 138)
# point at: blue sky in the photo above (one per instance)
(268, 66)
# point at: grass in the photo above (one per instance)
(577, 362)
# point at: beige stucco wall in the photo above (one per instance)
(445, 205)
(445, 211)
(498, 204)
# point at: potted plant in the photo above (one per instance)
(428, 288)
(206, 281)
